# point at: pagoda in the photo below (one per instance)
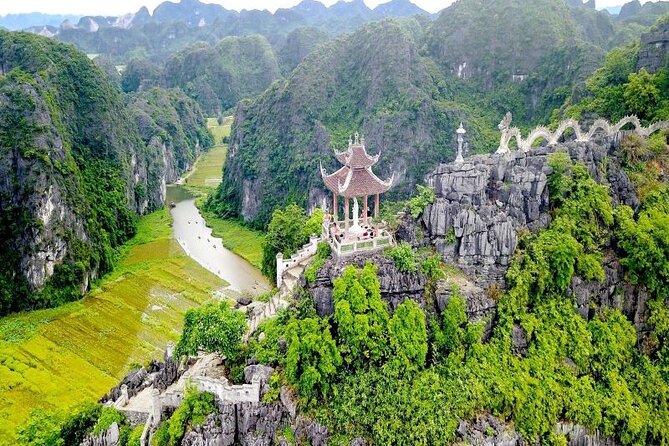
(354, 180)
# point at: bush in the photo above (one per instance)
(194, 409)
(404, 257)
(418, 202)
(361, 316)
(212, 328)
(288, 230)
(322, 254)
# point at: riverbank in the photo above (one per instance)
(57, 358)
(203, 179)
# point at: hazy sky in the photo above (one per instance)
(119, 7)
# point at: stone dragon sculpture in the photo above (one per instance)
(552, 138)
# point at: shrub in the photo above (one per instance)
(212, 328)
(194, 409)
(418, 202)
(404, 257)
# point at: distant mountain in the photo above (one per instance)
(614, 10)
(490, 42)
(397, 8)
(22, 21)
(192, 12)
(175, 26)
(221, 75)
(646, 14)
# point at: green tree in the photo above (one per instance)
(641, 95)
(408, 335)
(312, 357)
(288, 230)
(212, 328)
(361, 316)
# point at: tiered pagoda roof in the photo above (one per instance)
(355, 178)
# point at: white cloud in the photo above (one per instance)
(119, 7)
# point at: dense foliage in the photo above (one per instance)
(619, 88)
(289, 230)
(57, 428)
(212, 328)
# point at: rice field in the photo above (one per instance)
(60, 357)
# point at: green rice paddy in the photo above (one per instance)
(60, 357)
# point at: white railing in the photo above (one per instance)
(347, 247)
(242, 393)
(307, 251)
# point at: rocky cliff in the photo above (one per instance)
(654, 50)
(74, 169)
(484, 205)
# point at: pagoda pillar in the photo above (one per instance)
(346, 212)
(364, 211)
(335, 211)
(376, 206)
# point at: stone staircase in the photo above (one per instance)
(261, 311)
(292, 276)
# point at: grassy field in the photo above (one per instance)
(238, 238)
(60, 357)
(208, 171)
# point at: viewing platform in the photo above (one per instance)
(369, 237)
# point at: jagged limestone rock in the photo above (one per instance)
(396, 286)
(110, 437)
(261, 371)
(482, 203)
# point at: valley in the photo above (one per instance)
(352, 224)
(58, 358)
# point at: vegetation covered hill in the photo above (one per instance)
(219, 76)
(75, 169)
(373, 81)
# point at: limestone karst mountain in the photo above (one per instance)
(374, 80)
(77, 167)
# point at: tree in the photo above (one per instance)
(641, 95)
(312, 357)
(408, 335)
(212, 328)
(361, 316)
(288, 230)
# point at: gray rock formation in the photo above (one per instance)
(261, 371)
(654, 50)
(108, 438)
(217, 430)
(487, 430)
(159, 375)
(396, 286)
(482, 203)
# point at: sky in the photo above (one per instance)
(120, 7)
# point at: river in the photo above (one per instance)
(192, 233)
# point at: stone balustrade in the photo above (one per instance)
(600, 126)
(283, 265)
